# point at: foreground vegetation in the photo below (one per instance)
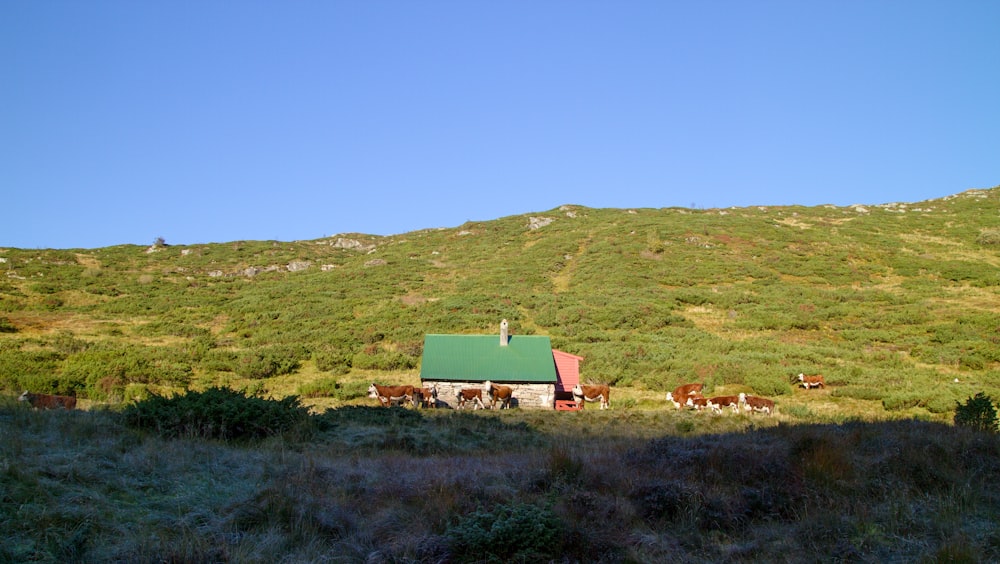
(367, 484)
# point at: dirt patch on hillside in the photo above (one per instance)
(40, 323)
(88, 261)
(792, 222)
(717, 322)
(416, 299)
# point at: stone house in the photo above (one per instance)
(526, 363)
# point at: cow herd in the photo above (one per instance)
(428, 397)
(690, 396)
(686, 396)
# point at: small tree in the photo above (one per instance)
(978, 413)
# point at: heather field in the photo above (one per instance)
(897, 305)
(367, 484)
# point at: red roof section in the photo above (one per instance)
(567, 370)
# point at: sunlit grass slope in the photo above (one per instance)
(898, 305)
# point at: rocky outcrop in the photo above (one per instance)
(538, 222)
(352, 244)
(251, 271)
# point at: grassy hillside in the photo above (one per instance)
(897, 305)
(893, 303)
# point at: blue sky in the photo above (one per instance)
(215, 121)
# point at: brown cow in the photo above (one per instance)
(811, 381)
(681, 393)
(425, 397)
(474, 395)
(718, 402)
(698, 402)
(46, 401)
(754, 403)
(501, 393)
(583, 394)
(388, 394)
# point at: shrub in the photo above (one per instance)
(220, 360)
(940, 404)
(858, 392)
(48, 384)
(768, 384)
(977, 413)
(103, 372)
(331, 388)
(901, 401)
(170, 327)
(272, 361)
(383, 360)
(798, 411)
(136, 392)
(6, 326)
(216, 413)
(332, 360)
(518, 532)
(989, 238)
(25, 369)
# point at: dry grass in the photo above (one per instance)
(625, 485)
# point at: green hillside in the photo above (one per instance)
(897, 305)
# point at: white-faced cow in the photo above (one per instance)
(583, 394)
(754, 403)
(475, 395)
(387, 395)
(811, 381)
(698, 402)
(718, 402)
(681, 393)
(425, 397)
(47, 401)
(499, 393)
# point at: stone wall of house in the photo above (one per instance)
(528, 396)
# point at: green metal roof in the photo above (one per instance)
(478, 358)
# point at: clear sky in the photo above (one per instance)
(220, 120)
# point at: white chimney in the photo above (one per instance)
(503, 333)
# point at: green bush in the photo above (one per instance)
(383, 360)
(518, 532)
(858, 392)
(940, 403)
(217, 413)
(136, 392)
(220, 360)
(901, 401)
(23, 369)
(798, 411)
(977, 413)
(989, 238)
(103, 372)
(768, 384)
(331, 360)
(170, 327)
(48, 384)
(6, 326)
(272, 361)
